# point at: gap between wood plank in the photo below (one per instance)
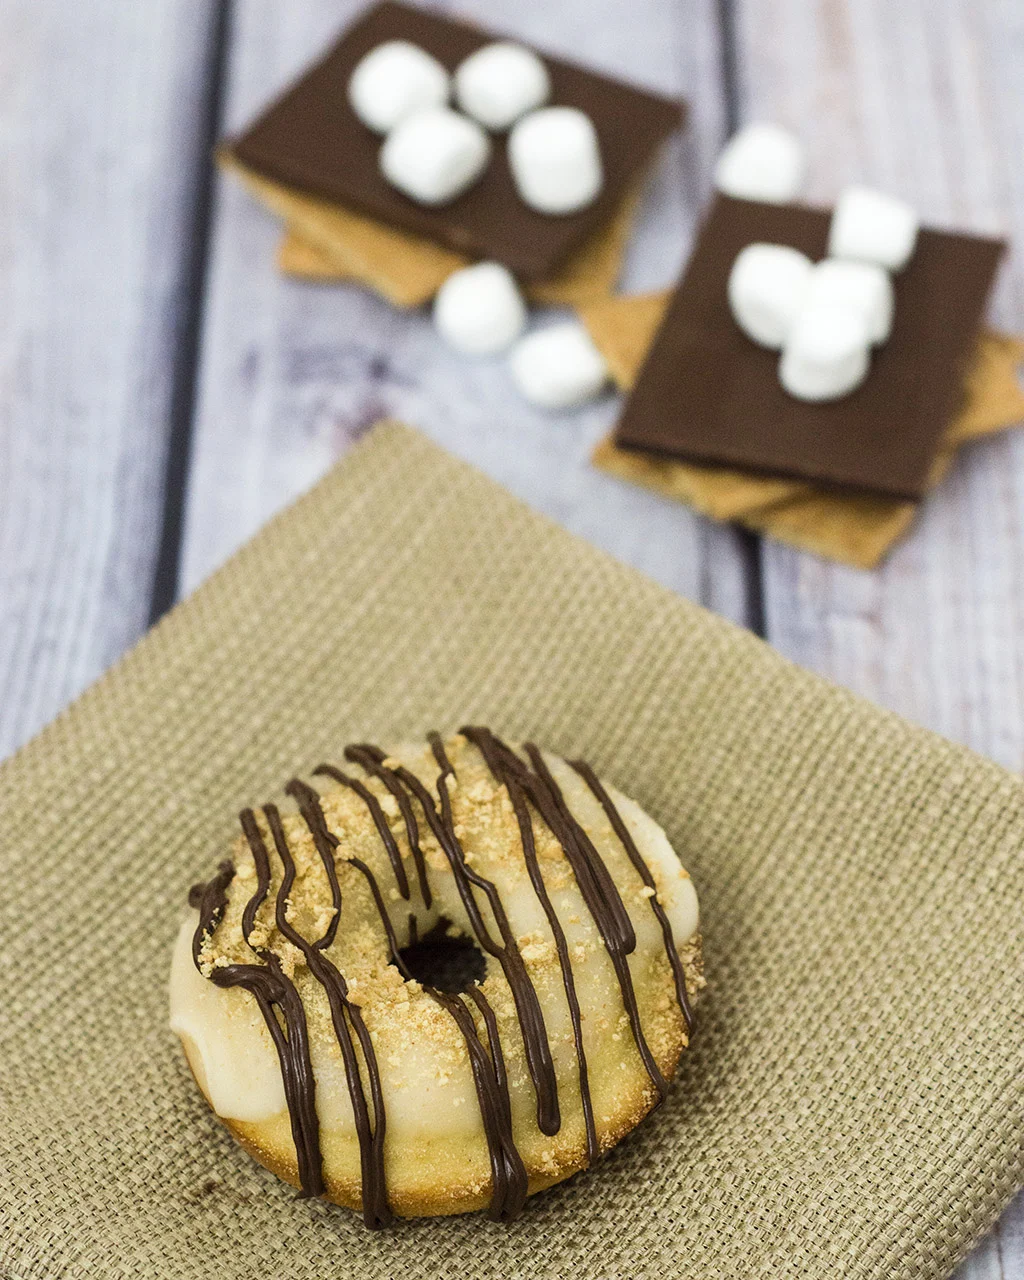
(189, 338)
(749, 544)
(729, 51)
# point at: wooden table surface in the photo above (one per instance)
(163, 390)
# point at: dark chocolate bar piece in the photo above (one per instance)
(311, 139)
(708, 394)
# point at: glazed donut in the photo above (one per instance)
(334, 1066)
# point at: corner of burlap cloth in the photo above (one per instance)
(852, 1103)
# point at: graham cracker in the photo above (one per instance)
(405, 269)
(854, 529)
(326, 243)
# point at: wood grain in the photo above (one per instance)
(292, 372)
(924, 98)
(103, 152)
(99, 156)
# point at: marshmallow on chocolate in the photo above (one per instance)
(392, 81)
(827, 353)
(555, 160)
(558, 367)
(435, 155)
(870, 226)
(762, 162)
(863, 286)
(501, 82)
(479, 310)
(767, 287)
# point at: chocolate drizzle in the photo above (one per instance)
(508, 1173)
(528, 784)
(509, 770)
(602, 898)
(275, 994)
(628, 843)
(371, 1137)
(379, 821)
(363, 756)
(531, 1020)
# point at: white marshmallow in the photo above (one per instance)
(767, 287)
(762, 162)
(558, 367)
(826, 355)
(479, 311)
(501, 82)
(870, 226)
(862, 286)
(434, 155)
(394, 80)
(555, 160)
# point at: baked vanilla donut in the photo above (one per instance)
(325, 1057)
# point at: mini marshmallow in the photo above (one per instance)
(558, 367)
(862, 286)
(392, 81)
(434, 155)
(762, 162)
(767, 287)
(826, 355)
(501, 82)
(479, 311)
(555, 160)
(870, 226)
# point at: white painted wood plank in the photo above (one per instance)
(985, 1263)
(1011, 1242)
(291, 373)
(98, 106)
(925, 98)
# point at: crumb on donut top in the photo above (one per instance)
(390, 840)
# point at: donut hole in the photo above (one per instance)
(448, 962)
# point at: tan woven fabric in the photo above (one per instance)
(853, 1103)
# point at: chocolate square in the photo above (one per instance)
(708, 394)
(311, 139)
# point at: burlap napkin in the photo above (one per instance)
(324, 242)
(853, 1103)
(857, 530)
